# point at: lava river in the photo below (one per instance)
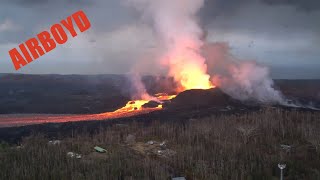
(132, 108)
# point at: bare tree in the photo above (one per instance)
(314, 139)
(247, 132)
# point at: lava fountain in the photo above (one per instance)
(176, 27)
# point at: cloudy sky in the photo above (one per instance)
(281, 34)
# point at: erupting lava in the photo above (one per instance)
(187, 66)
(181, 37)
(193, 78)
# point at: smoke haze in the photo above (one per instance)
(176, 26)
(242, 79)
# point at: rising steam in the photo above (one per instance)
(243, 80)
(138, 89)
(248, 81)
(176, 27)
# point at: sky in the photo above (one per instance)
(281, 34)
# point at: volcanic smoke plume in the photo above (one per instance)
(175, 24)
(138, 90)
(176, 27)
(243, 80)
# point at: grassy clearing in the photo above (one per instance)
(217, 147)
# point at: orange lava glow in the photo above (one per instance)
(188, 67)
(190, 77)
(132, 108)
(195, 78)
(164, 96)
(137, 105)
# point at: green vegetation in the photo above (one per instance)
(218, 147)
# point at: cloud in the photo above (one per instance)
(128, 47)
(284, 33)
(305, 5)
(8, 26)
(31, 3)
(280, 36)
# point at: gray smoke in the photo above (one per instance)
(176, 26)
(241, 79)
(138, 89)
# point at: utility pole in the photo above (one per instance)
(281, 167)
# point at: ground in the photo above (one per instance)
(247, 146)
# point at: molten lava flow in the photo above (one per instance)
(132, 106)
(135, 107)
(164, 96)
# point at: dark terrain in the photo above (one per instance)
(84, 94)
(208, 134)
(69, 94)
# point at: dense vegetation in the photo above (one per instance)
(218, 147)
